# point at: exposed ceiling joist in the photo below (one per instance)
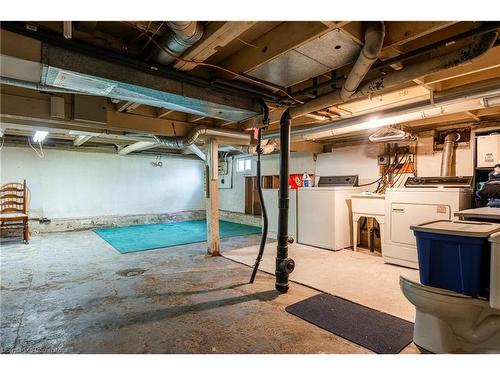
(216, 35)
(195, 118)
(401, 32)
(472, 115)
(163, 112)
(81, 139)
(20, 109)
(277, 41)
(489, 60)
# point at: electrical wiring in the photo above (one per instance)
(39, 154)
(245, 42)
(371, 183)
(399, 169)
(213, 66)
(390, 169)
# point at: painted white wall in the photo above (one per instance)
(360, 160)
(234, 199)
(69, 184)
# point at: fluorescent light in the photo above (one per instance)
(40, 136)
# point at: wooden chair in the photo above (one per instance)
(14, 201)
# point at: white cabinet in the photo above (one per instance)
(488, 150)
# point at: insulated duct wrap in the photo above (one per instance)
(181, 36)
(197, 132)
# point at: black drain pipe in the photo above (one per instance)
(261, 197)
(284, 265)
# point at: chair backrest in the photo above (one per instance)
(14, 198)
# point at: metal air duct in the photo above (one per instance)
(398, 77)
(182, 35)
(447, 158)
(192, 137)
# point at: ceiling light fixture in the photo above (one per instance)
(40, 136)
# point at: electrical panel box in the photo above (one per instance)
(488, 150)
(222, 167)
(226, 175)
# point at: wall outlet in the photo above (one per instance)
(383, 160)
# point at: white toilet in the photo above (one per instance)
(449, 322)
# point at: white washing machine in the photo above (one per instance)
(324, 213)
(422, 199)
(271, 202)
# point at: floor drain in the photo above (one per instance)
(131, 272)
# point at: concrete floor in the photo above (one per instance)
(356, 276)
(73, 293)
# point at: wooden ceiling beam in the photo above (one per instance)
(163, 112)
(122, 106)
(282, 38)
(195, 118)
(216, 36)
(489, 60)
(401, 32)
(17, 109)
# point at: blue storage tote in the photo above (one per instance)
(455, 255)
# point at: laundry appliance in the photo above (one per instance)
(324, 212)
(422, 199)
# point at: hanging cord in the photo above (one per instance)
(39, 154)
(261, 196)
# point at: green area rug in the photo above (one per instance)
(154, 236)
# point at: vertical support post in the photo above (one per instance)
(212, 199)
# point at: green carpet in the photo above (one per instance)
(154, 236)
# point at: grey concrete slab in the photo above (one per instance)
(73, 293)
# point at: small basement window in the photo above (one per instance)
(243, 164)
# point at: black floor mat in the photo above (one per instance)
(375, 330)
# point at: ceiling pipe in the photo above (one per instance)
(197, 132)
(35, 86)
(393, 79)
(483, 29)
(181, 36)
(448, 148)
(374, 39)
(447, 103)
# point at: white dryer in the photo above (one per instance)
(324, 213)
(422, 199)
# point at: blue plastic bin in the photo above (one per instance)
(455, 255)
